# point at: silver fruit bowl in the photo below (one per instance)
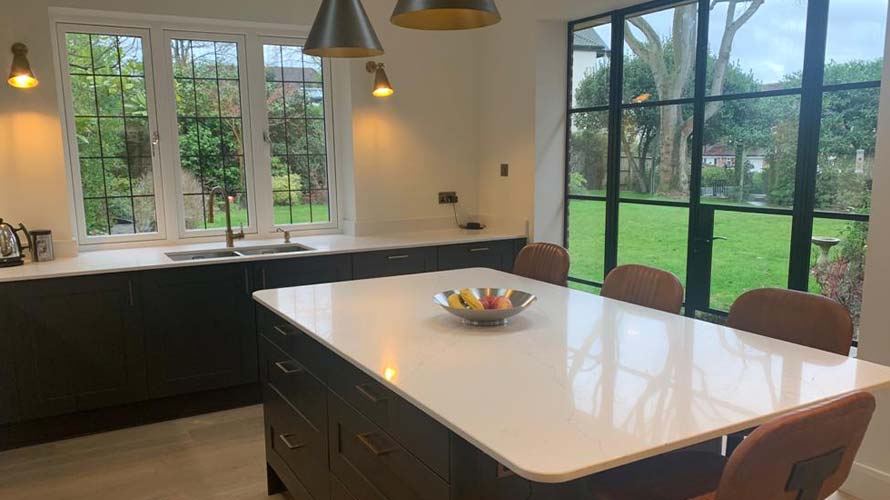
(487, 317)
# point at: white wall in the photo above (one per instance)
(422, 140)
(871, 474)
(407, 148)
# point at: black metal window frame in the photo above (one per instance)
(811, 91)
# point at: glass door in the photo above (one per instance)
(692, 149)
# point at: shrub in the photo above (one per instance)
(713, 175)
(577, 182)
(281, 187)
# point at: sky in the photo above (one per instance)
(771, 43)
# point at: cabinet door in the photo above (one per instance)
(491, 254)
(199, 328)
(9, 401)
(304, 271)
(79, 344)
(393, 263)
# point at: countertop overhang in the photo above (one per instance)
(155, 257)
(575, 385)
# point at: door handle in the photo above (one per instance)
(398, 257)
(366, 391)
(480, 249)
(366, 439)
(288, 370)
(281, 329)
(285, 438)
(712, 239)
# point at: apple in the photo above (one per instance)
(503, 303)
(488, 302)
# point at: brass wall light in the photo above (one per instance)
(20, 74)
(342, 29)
(445, 14)
(382, 87)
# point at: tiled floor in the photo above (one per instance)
(215, 456)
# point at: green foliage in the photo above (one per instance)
(577, 182)
(713, 175)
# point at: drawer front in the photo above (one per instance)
(294, 383)
(372, 465)
(492, 254)
(393, 262)
(338, 491)
(411, 427)
(302, 446)
(306, 351)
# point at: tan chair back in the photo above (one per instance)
(806, 455)
(543, 262)
(799, 317)
(645, 286)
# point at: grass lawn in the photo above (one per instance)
(282, 215)
(754, 256)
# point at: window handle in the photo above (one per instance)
(266, 137)
(155, 140)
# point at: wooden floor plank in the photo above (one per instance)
(217, 456)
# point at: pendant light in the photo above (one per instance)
(20, 74)
(342, 29)
(382, 87)
(445, 14)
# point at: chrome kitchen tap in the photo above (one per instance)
(231, 236)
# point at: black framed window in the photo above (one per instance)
(731, 143)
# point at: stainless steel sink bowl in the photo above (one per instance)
(237, 252)
(272, 250)
(210, 254)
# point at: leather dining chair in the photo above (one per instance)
(644, 286)
(799, 317)
(543, 262)
(805, 455)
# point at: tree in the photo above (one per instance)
(672, 66)
(640, 133)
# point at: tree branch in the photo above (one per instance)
(652, 51)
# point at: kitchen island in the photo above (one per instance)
(372, 391)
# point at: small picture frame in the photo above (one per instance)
(42, 245)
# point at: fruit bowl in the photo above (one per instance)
(505, 303)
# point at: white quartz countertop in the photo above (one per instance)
(137, 259)
(575, 385)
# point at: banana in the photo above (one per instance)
(471, 300)
(455, 302)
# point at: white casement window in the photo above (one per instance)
(111, 119)
(161, 114)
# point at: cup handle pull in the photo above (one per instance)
(367, 440)
(286, 439)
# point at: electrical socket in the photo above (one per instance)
(447, 198)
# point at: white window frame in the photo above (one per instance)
(265, 156)
(166, 75)
(157, 31)
(71, 131)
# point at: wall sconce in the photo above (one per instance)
(382, 87)
(20, 74)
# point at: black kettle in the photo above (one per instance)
(12, 250)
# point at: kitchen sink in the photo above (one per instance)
(213, 254)
(272, 250)
(240, 252)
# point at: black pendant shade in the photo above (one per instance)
(445, 14)
(342, 29)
